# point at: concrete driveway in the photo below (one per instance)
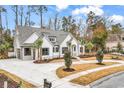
(35, 73)
(27, 70)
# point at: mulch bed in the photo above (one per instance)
(49, 60)
(86, 56)
(40, 61)
(11, 83)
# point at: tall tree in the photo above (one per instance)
(6, 20)
(59, 25)
(28, 18)
(29, 15)
(117, 29)
(21, 13)
(55, 21)
(69, 25)
(16, 12)
(50, 24)
(39, 10)
(90, 22)
(2, 9)
(100, 35)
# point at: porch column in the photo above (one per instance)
(83, 49)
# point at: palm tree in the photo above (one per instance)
(38, 45)
(39, 10)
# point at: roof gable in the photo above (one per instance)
(27, 36)
(31, 39)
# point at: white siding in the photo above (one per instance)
(73, 43)
(32, 38)
(47, 44)
(27, 57)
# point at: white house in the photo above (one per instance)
(54, 43)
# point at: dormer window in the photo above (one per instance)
(52, 39)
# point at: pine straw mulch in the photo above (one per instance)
(13, 80)
(91, 77)
(60, 72)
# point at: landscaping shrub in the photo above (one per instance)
(68, 60)
(99, 56)
(114, 57)
(119, 47)
(122, 51)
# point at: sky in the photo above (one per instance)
(113, 12)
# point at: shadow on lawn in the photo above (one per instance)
(100, 64)
(69, 70)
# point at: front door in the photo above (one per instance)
(74, 50)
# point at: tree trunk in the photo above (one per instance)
(29, 15)
(21, 19)
(41, 19)
(38, 54)
(0, 20)
(6, 21)
(16, 15)
(41, 15)
(41, 54)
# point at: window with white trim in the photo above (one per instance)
(27, 51)
(45, 51)
(56, 49)
(52, 39)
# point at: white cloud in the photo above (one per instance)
(85, 10)
(117, 18)
(61, 7)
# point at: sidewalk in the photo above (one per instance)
(63, 81)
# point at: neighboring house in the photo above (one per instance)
(113, 40)
(54, 43)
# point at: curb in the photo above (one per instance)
(99, 81)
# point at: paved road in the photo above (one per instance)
(114, 82)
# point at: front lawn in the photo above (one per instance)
(91, 77)
(15, 79)
(106, 57)
(80, 67)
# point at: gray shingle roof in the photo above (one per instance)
(25, 32)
